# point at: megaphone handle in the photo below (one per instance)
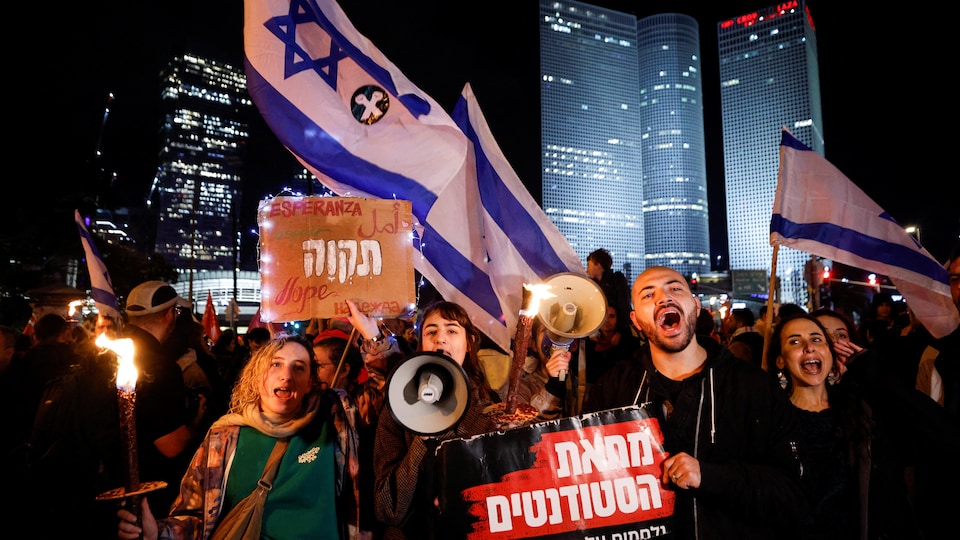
(554, 347)
(431, 388)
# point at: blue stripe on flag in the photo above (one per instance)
(861, 245)
(101, 287)
(817, 209)
(321, 151)
(787, 139)
(509, 214)
(460, 271)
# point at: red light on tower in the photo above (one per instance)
(826, 273)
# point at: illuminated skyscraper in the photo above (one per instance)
(197, 189)
(590, 113)
(675, 208)
(769, 78)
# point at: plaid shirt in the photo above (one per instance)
(197, 509)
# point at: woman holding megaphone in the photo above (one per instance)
(404, 457)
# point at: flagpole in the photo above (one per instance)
(768, 318)
(353, 332)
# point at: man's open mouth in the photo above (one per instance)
(669, 318)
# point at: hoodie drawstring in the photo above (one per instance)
(640, 389)
(713, 413)
(713, 410)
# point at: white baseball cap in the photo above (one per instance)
(151, 297)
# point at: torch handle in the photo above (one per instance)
(516, 367)
(128, 438)
(132, 505)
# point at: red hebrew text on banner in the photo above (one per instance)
(317, 252)
(597, 475)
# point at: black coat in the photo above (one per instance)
(733, 418)
(617, 292)
(903, 450)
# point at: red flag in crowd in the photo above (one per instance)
(29, 330)
(211, 326)
(256, 322)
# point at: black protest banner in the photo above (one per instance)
(595, 475)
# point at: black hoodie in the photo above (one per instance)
(734, 419)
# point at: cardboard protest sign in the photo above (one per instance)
(596, 475)
(316, 252)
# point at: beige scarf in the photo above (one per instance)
(254, 417)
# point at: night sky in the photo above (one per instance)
(884, 105)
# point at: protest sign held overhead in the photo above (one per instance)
(317, 252)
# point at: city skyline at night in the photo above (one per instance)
(877, 128)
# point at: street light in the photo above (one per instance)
(913, 230)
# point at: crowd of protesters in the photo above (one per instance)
(841, 431)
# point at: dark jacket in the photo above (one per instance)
(405, 465)
(948, 366)
(161, 408)
(734, 419)
(748, 346)
(891, 434)
(617, 292)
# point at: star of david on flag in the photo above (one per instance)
(360, 126)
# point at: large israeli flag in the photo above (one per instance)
(356, 122)
(521, 244)
(101, 287)
(818, 210)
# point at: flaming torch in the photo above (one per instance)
(72, 309)
(132, 490)
(512, 411)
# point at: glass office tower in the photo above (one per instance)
(675, 209)
(589, 103)
(769, 78)
(197, 189)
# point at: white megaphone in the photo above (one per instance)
(428, 393)
(576, 309)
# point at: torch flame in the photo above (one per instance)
(72, 308)
(539, 291)
(126, 370)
